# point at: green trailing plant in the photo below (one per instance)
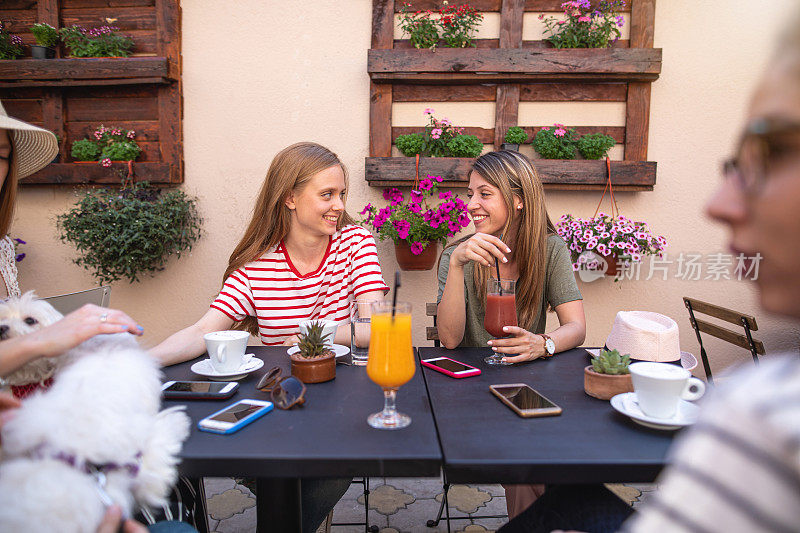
(421, 28)
(465, 146)
(557, 142)
(595, 145)
(85, 150)
(611, 362)
(586, 24)
(127, 233)
(45, 34)
(10, 45)
(312, 343)
(104, 41)
(458, 23)
(516, 135)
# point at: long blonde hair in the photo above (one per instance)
(8, 193)
(290, 170)
(514, 174)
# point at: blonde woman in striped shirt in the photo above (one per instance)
(300, 258)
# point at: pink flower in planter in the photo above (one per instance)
(428, 111)
(417, 247)
(426, 184)
(436, 133)
(584, 19)
(601, 249)
(416, 196)
(454, 227)
(106, 162)
(402, 226)
(560, 132)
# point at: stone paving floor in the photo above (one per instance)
(397, 505)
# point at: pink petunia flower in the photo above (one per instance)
(428, 111)
(560, 132)
(436, 133)
(417, 247)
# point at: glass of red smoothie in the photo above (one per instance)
(501, 310)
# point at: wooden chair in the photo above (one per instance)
(747, 322)
(431, 310)
(67, 303)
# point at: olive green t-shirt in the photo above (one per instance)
(559, 287)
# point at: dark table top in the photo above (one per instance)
(328, 437)
(483, 441)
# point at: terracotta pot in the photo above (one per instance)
(605, 386)
(613, 268)
(316, 370)
(409, 261)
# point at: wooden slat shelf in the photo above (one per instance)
(73, 72)
(513, 65)
(73, 173)
(554, 173)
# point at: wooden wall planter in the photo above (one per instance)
(508, 71)
(72, 96)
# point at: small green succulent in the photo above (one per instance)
(611, 362)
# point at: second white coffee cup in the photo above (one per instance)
(659, 387)
(226, 349)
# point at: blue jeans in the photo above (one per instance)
(580, 507)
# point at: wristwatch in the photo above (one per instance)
(549, 345)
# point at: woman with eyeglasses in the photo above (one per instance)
(738, 467)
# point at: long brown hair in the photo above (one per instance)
(514, 174)
(291, 170)
(8, 193)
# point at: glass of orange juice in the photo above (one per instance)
(390, 363)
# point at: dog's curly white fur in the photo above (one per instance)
(23, 315)
(103, 408)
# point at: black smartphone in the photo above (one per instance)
(524, 401)
(199, 390)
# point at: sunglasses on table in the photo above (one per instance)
(285, 392)
(765, 145)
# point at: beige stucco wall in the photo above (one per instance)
(261, 75)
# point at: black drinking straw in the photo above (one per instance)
(497, 267)
(394, 295)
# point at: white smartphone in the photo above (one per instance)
(524, 401)
(235, 416)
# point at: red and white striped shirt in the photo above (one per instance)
(271, 289)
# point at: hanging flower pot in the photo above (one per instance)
(407, 260)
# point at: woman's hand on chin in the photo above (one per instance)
(481, 248)
(521, 346)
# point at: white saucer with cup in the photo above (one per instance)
(659, 387)
(226, 350)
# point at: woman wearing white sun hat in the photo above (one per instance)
(24, 149)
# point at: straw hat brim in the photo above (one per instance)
(688, 361)
(34, 148)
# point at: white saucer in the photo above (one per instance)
(338, 349)
(626, 404)
(205, 369)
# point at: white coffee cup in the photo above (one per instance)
(659, 386)
(328, 328)
(226, 349)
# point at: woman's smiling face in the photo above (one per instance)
(319, 205)
(486, 206)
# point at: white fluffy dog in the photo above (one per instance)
(20, 316)
(101, 413)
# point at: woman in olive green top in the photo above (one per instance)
(507, 207)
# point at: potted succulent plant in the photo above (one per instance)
(314, 362)
(514, 137)
(414, 225)
(608, 375)
(46, 40)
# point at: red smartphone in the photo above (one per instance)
(451, 367)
